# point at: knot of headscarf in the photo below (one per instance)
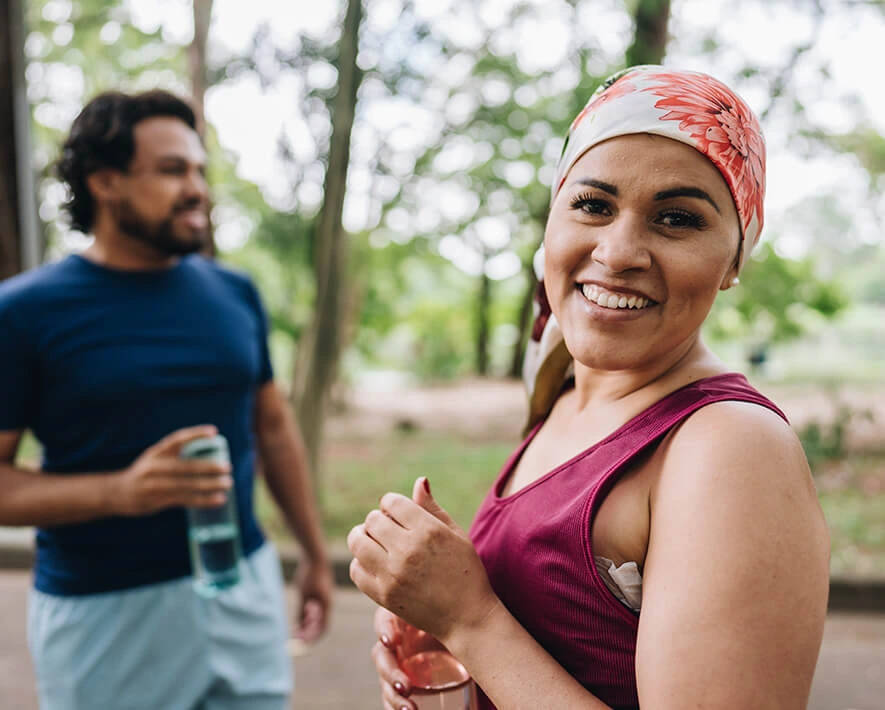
(690, 107)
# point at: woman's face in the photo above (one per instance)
(639, 240)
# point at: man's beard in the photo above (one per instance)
(159, 235)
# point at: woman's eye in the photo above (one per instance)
(589, 205)
(680, 218)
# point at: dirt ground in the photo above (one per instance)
(482, 408)
(495, 409)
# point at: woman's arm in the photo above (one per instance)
(410, 557)
(734, 590)
(736, 579)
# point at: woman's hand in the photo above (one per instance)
(411, 558)
(395, 687)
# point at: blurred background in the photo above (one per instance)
(382, 170)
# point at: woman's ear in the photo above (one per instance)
(730, 281)
(731, 276)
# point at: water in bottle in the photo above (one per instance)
(213, 533)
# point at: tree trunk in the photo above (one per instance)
(483, 315)
(199, 76)
(524, 321)
(320, 348)
(19, 248)
(196, 60)
(650, 36)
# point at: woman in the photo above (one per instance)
(656, 540)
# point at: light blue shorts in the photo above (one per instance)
(164, 647)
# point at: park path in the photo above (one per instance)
(336, 674)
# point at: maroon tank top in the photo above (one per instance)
(536, 545)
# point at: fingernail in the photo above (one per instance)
(427, 486)
(385, 640)
(399, 687)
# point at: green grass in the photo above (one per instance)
(857, 531)
(359, 471)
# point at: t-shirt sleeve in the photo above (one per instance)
(266, 371)
(18, 377)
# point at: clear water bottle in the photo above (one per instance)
(213, 533)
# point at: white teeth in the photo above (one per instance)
(607, 299)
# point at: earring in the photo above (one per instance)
(735, 281)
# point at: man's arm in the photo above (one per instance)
(29, 497)
(736, 579)
(156, 480)
(288, 479)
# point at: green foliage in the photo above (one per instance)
(491, 156)
(856, 520)
(442, 339)
(867, 144)
(862, 274)
(778, 300)
(825, 441)
(75, 49)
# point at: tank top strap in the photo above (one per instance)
(649, 426)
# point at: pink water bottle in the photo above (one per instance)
(439, 681)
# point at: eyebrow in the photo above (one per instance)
(173, 159)
(686, 192)
(599, 184)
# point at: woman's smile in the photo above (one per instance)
(613, 298)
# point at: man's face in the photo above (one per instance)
(162, 199)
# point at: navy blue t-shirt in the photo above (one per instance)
(100, 364)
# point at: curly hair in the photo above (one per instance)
(102, 136)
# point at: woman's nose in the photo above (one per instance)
(621, 245)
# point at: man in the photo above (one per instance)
(115, 358)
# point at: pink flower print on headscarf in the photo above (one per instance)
(723, 129)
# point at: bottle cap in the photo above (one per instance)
(206, 447)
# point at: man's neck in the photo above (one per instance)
(115, 250)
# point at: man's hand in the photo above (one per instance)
(159, 479)
(315, 584)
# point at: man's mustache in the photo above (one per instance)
(188, 205)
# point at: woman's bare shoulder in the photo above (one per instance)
(744, 438)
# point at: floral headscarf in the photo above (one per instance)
(687, 106)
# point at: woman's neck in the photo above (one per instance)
(595, 387)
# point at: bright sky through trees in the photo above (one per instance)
(250, 119)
